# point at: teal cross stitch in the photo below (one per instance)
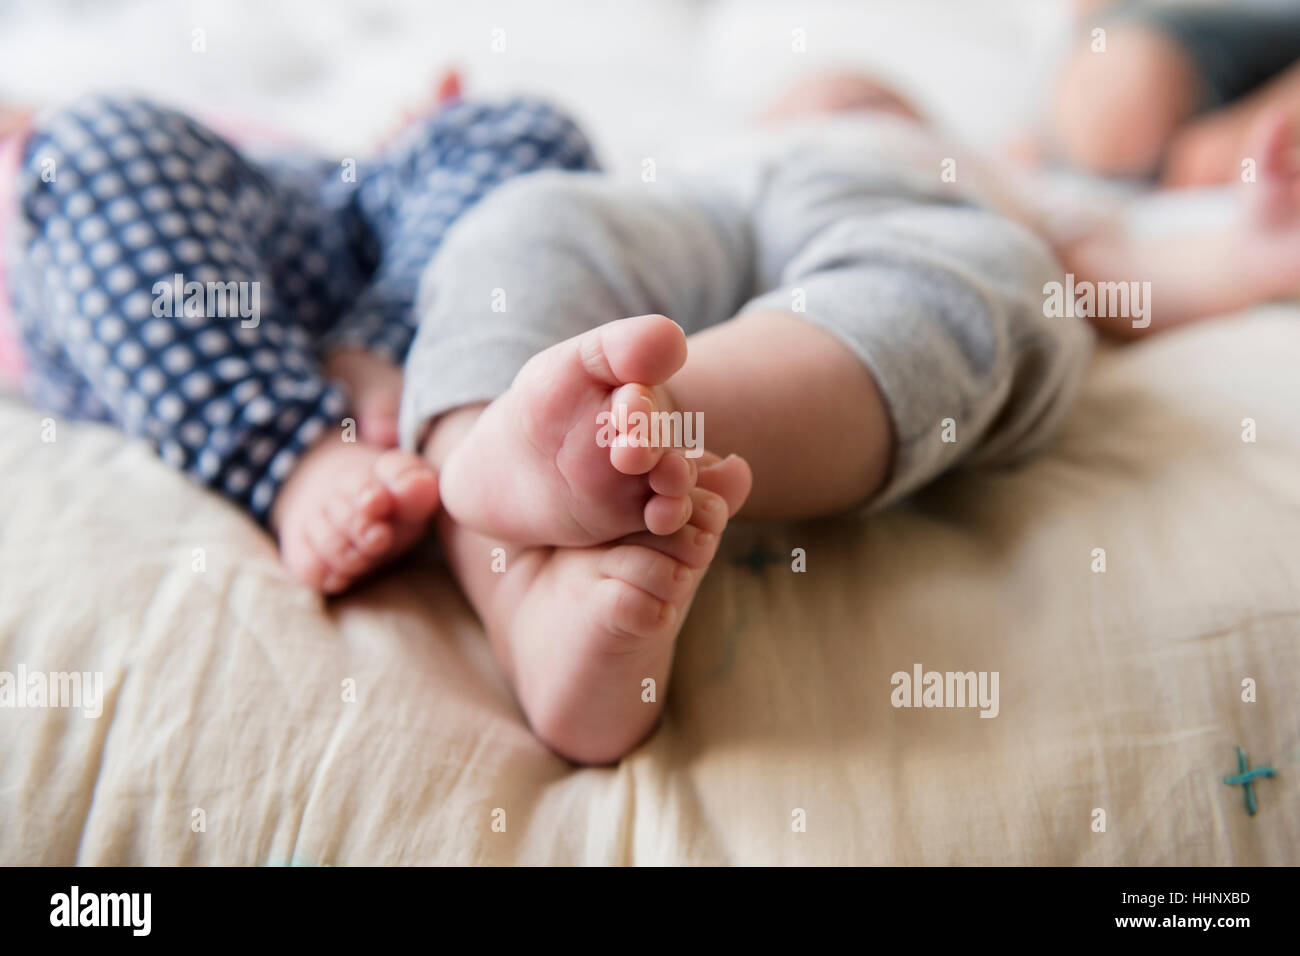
(1245, 779)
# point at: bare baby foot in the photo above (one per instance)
(581, 630)
(349, 508)
(533, 469)
(375, 386)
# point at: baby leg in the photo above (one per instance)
(405, 201)
(395, 216)
(151, 273)
(516, 313)
(899, 338)
(900, 344)
(890, 322)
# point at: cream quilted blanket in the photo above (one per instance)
(244, 720)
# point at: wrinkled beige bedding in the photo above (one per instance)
(226, 737)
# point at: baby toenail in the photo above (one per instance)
(666, 612)
(681, 573)
(373, 535)
(702, 538)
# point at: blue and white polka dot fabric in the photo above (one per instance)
(126, 208)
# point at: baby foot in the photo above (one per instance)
(347, 509)
(587, 626)
(532, 469)
(375, 387)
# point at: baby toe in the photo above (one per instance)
(708, 511)
(664, 515)
(373, 500)
(370, 536)
(629, 611)
(652, 571)
(731, 478)
(334, 583)
(635, 451)
(302, 561)
(690, 546)
(410, 481)
(674, 476)
(643, 348)
(334, 549)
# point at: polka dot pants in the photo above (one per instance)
(166, 283)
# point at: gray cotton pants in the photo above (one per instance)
(941, 300)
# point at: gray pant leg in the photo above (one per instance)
(944, 305)
(552, 255)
